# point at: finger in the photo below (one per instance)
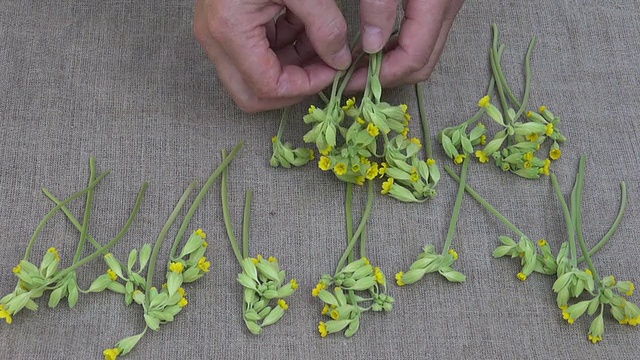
(376, 23)
(287, 28)
(297, 53)
(327, 29)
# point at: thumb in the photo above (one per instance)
(376, 23)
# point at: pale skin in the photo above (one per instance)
(268, 64)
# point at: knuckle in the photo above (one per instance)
(416, 63)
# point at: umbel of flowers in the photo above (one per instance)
(363, 141)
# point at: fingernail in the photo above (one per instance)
(372, 39)
(342, 59)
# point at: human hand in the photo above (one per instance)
(411, 56)
(265, 64)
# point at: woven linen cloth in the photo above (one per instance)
(126, 82)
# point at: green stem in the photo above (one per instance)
(323, 97)
(363, 222)
(578, 221)
(568, 220)
(46, 218)
(457, 206)
(426, 132)
(225, 213)
(527, 78)
(492, 84)
(484, 203)
(111, 243)
(196, 203)
(283, 122)
(349, 217)
(87, 211)
(160, 239)
(245, 223)
(363, 242)
(348, 75)
(494, 64)
(614, 227)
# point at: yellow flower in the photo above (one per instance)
(201, 233)
(404, 108)
(183, 302)
(528, 165)
(274, 139)
(549, 129)
(414, 177)
(588, 272)
(326, 151)
(176, 267)
(181, 291)
(483, 139)
(355, 167)
(482, 157)
(386, 186)
(322, 328)
(372, 172)
(272, 259)
(405, 132)
(203, 264)
(595, 339)
(454, 254)
(312, 154)
(545, 168)
(485, 102)
(521, 276)
(324, 163)
(360, 121)
(55, 252)
(416, 141)
(407, 117)
(563, 307)
(335, 315)
(349, 104)
(529, 114)
(366, 261)
(111, 354)
(283, 304)
(631, 288)
(383, 168)
(528, 156)
(205, 244)
(373, 130)
(555, 154)
(364, 160)
(294, 284)
(542, 242)
(340, 169)
(257, 259)
(377, 273)
(567, 316)
(17, 269)
(399, 278)
(359, 180)
(542, 108)
(532, 137)
(325, 310)
(460, 158)
(4, 314)
(319, 287)
(112, 275)
(431, 162)
(613, 280)
(312, 109)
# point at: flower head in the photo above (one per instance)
(522, 276)
(386, 186)
(183, 302)
(453, 254)
(482, 157)
(176, 267)
(533, 137)
(112, 275)
(283, 304)
(555, 154)
(458, 159)
(399, 276)
(294, 284)
(4, 314)
(431, 162)
(319, 287)
(322, 328)
(17, 269)
(111, 354)
(484, 102)
(203, 264)
(340, 169)
(55, 252)
(373, 130)
(324, 163)
(549, 129)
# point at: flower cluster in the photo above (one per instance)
(159, 306)
(360, 142)
(572, 282)
(264, 292)
(357, 288)
(429, 261)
